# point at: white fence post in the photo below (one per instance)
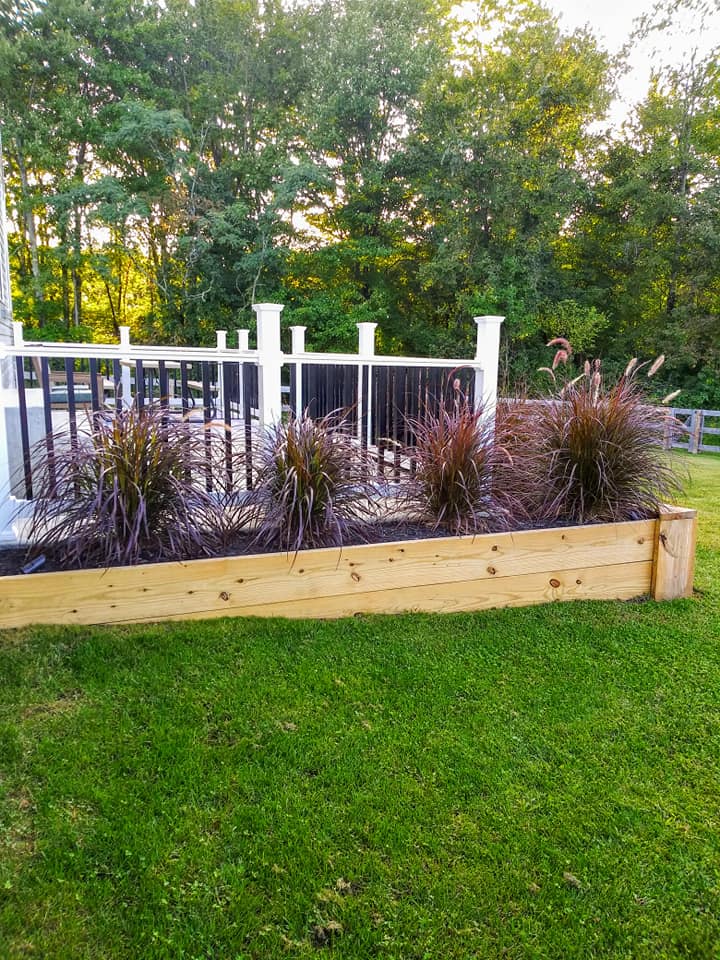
(269, 362)
(488, 355)
(125, 379)
(298, 346)
(366, 350)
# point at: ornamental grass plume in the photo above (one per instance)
(597, 454)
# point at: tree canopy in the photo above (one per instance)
(169, 162)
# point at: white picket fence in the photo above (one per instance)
(118, 374)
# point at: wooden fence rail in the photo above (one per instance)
(697, 431)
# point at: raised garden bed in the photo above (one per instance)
(615, 561)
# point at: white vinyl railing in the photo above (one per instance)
(126, 362)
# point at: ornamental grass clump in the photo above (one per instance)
(132, 489)
(597, 454)
(312, 487)
(452, 487)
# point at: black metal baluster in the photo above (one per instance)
(207, 420)
(94, 391)
(163, 385)
(139, 385)
(226, 367)
(380, 419)
(311, 404)
(305, 374)
(397, 411)
(293, 386)
(117, 381)
(249, 369)
(24, 432)
(47, 412)
(72, 415)
(184, 388)
(366, 408)
(349, 401)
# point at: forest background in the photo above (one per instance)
(408, 162)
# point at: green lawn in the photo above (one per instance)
(523, 783)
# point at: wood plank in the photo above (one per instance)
(212, 586)
(674, 562)
(670, 512)
(623, 581)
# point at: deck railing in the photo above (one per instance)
(235, 391)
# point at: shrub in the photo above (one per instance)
(597, 453)
(452, 487)
(311, 488)
(131, 489)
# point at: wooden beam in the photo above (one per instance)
(674, 561)
(622, 581)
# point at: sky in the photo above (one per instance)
(612, 22)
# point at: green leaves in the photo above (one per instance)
(361, 160)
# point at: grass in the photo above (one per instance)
(523, 783)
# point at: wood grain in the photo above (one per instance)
(674, 559)
(622, 581)
(445, 573)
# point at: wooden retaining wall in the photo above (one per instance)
(600, 562)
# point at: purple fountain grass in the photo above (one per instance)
(312, 487)
(597, 452)
(453, 486)
(131, 490)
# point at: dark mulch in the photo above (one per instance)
(12, 559)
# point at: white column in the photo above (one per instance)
(366, 339)
(298, 346)
(125, 380)
(243, 340)
(487, 354)
(270, 360)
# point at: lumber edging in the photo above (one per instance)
(602, 561)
